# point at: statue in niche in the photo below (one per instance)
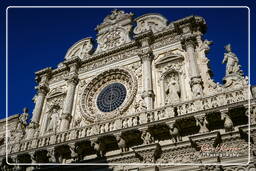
(232, 61)
(54, 119)
(172, 90)
(23, 120)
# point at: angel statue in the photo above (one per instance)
(232, 61)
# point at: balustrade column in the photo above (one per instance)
(68, 104)
(196, 80)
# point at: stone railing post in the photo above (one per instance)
(72, 81)
(196, 80)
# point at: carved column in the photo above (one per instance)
(196, 80)
(42, 90)
(146, 56)
(68, 104)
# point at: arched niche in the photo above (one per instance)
(171, 76)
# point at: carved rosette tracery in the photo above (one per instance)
(87, 104)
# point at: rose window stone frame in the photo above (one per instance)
(88, 98)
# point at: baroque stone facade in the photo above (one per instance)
(143, 95)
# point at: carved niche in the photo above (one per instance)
(91, 106)
(170, 77)
(54, 107)
(114, 31)
(150, 22)
(82, 49)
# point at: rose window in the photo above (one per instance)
(108, 95)
(111, 97)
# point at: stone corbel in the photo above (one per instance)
(73, 148)
(122, 143)
(202, 122)
(228, 123)
(51, 154)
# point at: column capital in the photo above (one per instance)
(43, 74)
(146, 54)
(73, 63)
(42, 88)
(188, 41)
(145, 38)
(72, 79)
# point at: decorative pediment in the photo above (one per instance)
(114, 31)
(56, 92)
(168, 57)
(82, 48)
(150, 22)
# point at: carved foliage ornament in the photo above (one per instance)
(89, 102)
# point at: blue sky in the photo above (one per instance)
(39, 38)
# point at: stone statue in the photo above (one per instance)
(202, 123)
(175, 133)
(122, 143)
(54, 119)
(98, 147)
(172, 90)
(23, 120)
(232, 61)
(147, 138)
(228, 123)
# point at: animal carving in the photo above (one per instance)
(228, 123)
(122, 143)
(99, 148)
(175, 133)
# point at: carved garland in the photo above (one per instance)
(88, 107)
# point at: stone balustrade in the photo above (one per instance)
(137, 120)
